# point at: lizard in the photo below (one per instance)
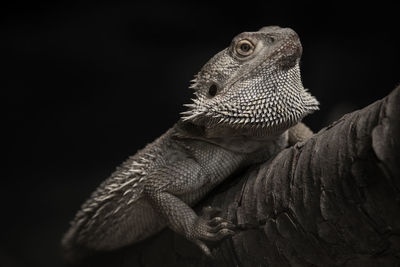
(248, 104)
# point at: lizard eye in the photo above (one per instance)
(244, 47)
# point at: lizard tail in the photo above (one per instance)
(71, 251)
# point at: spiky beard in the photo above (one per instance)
(273, 99)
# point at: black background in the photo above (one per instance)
(83, 86)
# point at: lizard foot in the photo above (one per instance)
(211, 227)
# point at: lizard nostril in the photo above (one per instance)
(212, 91)
(271, 39)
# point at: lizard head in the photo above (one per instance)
(254, 83)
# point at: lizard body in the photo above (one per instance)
(247, 97)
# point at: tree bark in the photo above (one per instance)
(333, 200)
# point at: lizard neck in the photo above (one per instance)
(241, 141)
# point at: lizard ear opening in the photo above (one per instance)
(212, 91)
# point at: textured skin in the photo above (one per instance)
(243, 108)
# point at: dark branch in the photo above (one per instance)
(333, 200)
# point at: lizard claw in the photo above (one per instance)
(220, 234)
(223, 225)
(214, 234)
(220, 221)
(210, 227)
(213, 228)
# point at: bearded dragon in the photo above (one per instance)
(248, 104)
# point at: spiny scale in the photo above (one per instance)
(268, 102)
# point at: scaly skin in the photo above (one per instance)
(247, 97)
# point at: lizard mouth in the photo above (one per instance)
(292, 54)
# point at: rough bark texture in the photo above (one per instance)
(333, 200)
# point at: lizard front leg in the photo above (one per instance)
(299, 133)
(174, 181)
